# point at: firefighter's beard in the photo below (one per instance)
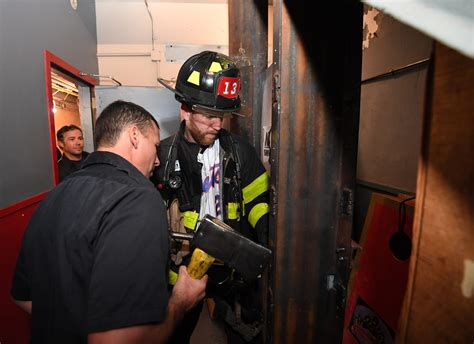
(203, 138)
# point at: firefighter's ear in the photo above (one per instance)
(185, 112)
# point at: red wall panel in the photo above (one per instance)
(14, 323)
(379, 282)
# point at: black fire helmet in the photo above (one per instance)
(208, 82)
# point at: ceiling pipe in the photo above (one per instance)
(101, 76)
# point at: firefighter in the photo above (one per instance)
(207, 170)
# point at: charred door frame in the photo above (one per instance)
(248, 46)
(315, 118)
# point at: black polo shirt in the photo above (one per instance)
(66, 166)
(94, 254)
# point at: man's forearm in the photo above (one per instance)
(25, 305)
(187, 292)
(174, 314)
(150, 333)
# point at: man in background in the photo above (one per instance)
(71, 141)
(94, 257)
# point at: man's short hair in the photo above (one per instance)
(65, 129)
(118, 115)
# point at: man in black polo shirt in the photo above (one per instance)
(71, 142)
(93, 262)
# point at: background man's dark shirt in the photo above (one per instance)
(66, 166)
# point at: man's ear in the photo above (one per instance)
(185, 112)
(134, 135)
(60, 144)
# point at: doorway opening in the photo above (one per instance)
(71, 101)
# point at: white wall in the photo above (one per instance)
(125, 44)
(158, 101)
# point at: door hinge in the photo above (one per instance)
(346, 204)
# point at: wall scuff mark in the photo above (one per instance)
(467, 285)
(370, 27)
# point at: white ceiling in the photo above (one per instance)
(127, 22)
(170, 1)
(138, 43)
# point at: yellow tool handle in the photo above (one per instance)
(200, 263)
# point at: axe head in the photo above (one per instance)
(219, 240)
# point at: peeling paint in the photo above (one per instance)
(467, 285)
(370, 27)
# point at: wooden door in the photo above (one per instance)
(439, 304)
